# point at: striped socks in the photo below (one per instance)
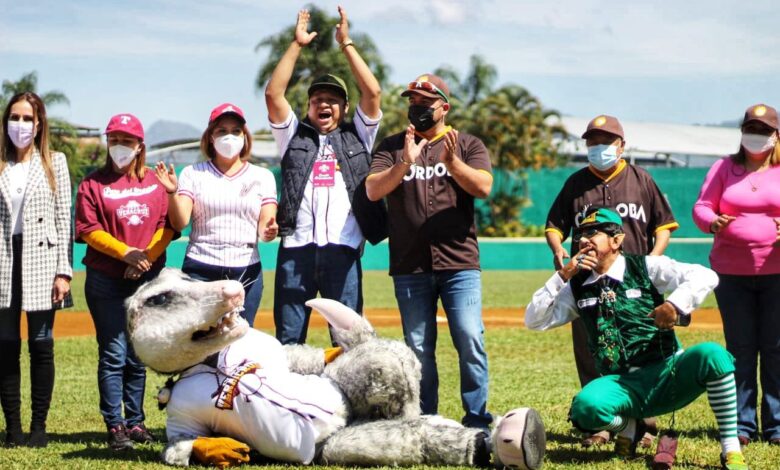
(722, 395)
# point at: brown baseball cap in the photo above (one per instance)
(604, 123)
(429, 85)
(761, 113)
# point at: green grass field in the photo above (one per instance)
(526, 369)
(500, 289)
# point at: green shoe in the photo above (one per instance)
(733, 461)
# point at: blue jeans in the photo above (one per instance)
(40, 323)
(121, 375)
(251, 277)
(461, 296)
(750, 310)
(332, 270)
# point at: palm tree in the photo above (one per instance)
(63, 135)
(518, 132)
(29, 82)
(318, 58)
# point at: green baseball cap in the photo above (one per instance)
(599, 219)
(331, 82)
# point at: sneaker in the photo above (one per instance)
(733, 461)
(118, 439)
(665, 452)
(626, 447)
(140, 434)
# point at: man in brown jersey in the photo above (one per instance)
(608, 181)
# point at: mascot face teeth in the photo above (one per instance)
(176, 322)
(227, 323)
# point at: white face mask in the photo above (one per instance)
(228, 146)
(21, 133)
(757, 143)
(122, 155)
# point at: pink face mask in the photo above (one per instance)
(21, 133)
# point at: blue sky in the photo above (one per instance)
(695, 61)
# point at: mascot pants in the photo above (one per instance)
(652, 390)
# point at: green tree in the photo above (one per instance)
(518, 132)
(63, 135)
(322, 56)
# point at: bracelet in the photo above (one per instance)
(346, 43)
(405, 162)
(172, 192)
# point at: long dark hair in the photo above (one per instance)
(41, 139)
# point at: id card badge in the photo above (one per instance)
(324, 174)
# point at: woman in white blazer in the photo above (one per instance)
(35, 259)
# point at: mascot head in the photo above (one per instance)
(175, 322)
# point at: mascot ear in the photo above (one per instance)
(337, 314)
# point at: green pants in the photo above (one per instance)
(653, 390)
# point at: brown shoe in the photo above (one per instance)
(665, 452)
(595, 440)
(743, 440)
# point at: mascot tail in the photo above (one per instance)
(348, 328)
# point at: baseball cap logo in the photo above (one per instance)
(600, 121)
(759, 110)
(589, 219)
(229, 109)
(124, 119)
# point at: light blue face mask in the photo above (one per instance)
(603, 157)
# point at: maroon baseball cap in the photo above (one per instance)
(126, 123)
(604, 123)
(761, 113)
(429, 85)
(227, 108)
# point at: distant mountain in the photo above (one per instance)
(167, 131)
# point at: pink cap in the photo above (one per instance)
(226, 108)
(126, 123)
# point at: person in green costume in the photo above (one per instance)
(645, 371)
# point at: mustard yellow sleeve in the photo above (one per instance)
(160, 241)
(103, 242)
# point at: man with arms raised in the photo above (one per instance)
(324, 158)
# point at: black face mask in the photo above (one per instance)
(421, 117)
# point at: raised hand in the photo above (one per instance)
(450, 147)
(302, 35)
(412, 150)
(167, 177)
(342, 29)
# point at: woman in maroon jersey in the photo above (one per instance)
(121, 215)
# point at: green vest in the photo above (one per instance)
(620, 334)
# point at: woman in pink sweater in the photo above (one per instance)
(740, 203)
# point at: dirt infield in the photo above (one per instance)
(80, 323)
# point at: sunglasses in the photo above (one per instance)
(429, 87)
(588, 233)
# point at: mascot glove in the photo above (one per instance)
(220, 452)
